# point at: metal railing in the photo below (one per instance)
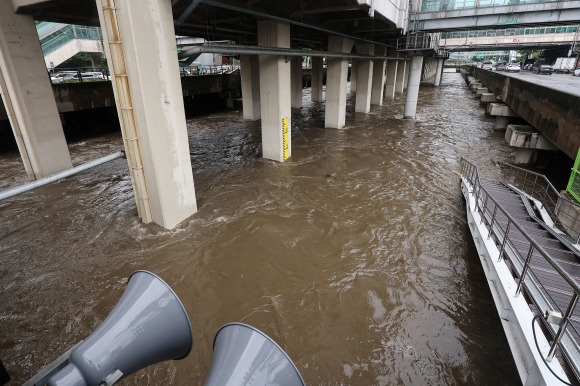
(565, 213)
(207, 70)
(417, 41)
(565, 335)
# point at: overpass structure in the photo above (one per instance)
(139, 41)
(384, 39)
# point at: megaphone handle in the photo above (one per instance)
(112, 378)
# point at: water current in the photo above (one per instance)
(354, 255)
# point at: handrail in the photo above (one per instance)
(551, 202)
(471, 173)
(569, 279)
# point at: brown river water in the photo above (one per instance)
(354, 255)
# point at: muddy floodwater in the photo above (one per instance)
(354, 255)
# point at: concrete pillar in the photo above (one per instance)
(336, 79)
(364, 79)
(392, 66)
(439, 73)
(296, 81)
(379, 76)
(413, 91)
(317, 78)
(353, 75)
(406, 77)
(250, 73)
(140, 44)
(28, 97)
(275, 92)
(401, 72)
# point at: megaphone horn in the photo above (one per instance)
(244, 355)
(148, 325)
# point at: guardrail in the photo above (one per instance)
(207, 70)
(565, 335)
(564, 213)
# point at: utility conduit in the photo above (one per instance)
(55, 177)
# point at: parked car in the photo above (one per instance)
(90, 75)
(543, 69)
(515, 67)
(576, 72)
(61, 77)
(500, 66)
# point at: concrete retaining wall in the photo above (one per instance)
(556, 114)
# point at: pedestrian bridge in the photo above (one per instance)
(450, 15)
(60, 42)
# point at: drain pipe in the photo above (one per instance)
(55, 177)
(261, 50)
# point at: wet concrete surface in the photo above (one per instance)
(561, 82)
(354, 255)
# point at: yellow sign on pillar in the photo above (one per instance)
(285, 139)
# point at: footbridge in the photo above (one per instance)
(519, 38)
(60, 42)
(452, 15)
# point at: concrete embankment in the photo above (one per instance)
(554, 113)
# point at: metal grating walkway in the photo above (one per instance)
(557, 292)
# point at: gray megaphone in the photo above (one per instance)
(244, 355)
(148, 325)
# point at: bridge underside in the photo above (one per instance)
(551, 13)
(236, 20)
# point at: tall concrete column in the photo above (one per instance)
(439, 73)
(317, 78)
(401, 75)
(406, 77)
(275, 92)
(379, 76)
(364, 79)
(140, 46)
(336, 79)
(250, 73)
(296, 80)
(392, 68)
(28, 97)
(413, 90)
(353, 75)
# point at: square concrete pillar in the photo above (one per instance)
(296, 80)
(317, 78)
(336, 79)
(275, 92)
(364, 79)
(412, 96)
(379, 76)
(250, 73)
(392, 66)
(139, 41)
(401, 75)
(439, 72)
(28, 97)
(353, 75)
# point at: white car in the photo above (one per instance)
(576, 72)
(515, 67)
